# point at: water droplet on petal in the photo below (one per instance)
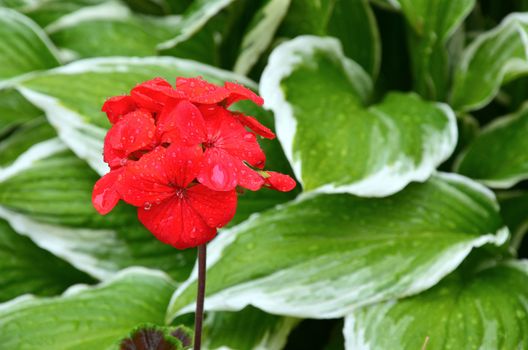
(147, 206)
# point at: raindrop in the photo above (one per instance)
(147, 206)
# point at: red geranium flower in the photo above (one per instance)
(178, 155)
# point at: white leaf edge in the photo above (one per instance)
(285, 58)
(354, 334)
(239, 296)
(515, 66)
(188, 29)
(260, 36)
(84, 139)
(499, 123)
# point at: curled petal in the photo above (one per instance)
(279, 182)
(221, 171)
(181, 121)
(176, 223)
(154, 94)
(105, 195)
(200, 91)
(135, 131)
(256, 126)
(238, 92)
(117, 106)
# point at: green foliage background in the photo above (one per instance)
(404, 122)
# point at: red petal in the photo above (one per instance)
(135, 131)
(153, 94)
(176, 223)
(223, 172)
(200, 91)
(256, 126)
(181, 121)
(117, 106)
(238, 92)
(279, 182)
(159, 174)
(227, 133)
(215, 207)
(105, 195)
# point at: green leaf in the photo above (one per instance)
(486, 310)
(26, 268)
(260, 33)
(193, 19)
(71, 228)
(351, 21)
(248, 329)
(432, 24)
(498, 157)
(76, 111)
(324, 255)
(24, 47)
(494, 58)
(86, 318)
(23, 138)
(333, 139)
(15, 110)
(110, 29)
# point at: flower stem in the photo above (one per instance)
(202, 253)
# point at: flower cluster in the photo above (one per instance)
(179, 154)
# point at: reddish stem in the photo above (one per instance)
(202, 254)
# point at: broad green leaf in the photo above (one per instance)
(432, 23)
(24, 47)
(23, 138)
(193, 19)
(110, 29)
(75, 111)
(86, 318)
(70, 228)
(514, 210)
(334, 140)
(260, 33)
(484, 310)
(324, 255)
(26, 268)
(247, 329)
(351, 21)
(492, 59)
(498, 157)
(15, 110)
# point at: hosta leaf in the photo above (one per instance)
(248, 329)
(432, 24)
(110, 29)
(260, 33)
(351, 21)
(70, 228)
(494, 58)
(193, 19)
(76, 111)
(26, 268)
(24, 47)
(48, 11)
(486, 310)
(498, 157)
(15, 110)
(86, 318)
(319, 98)
(23, 138)
(324, 255)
